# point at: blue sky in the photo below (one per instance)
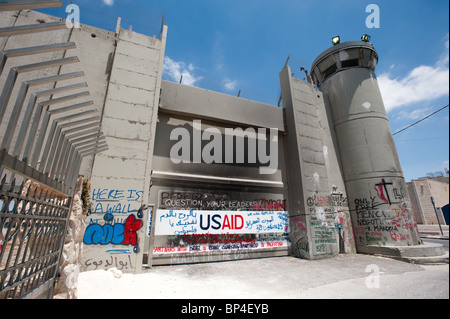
(234, 45)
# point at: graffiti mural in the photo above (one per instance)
(299, 236)
(209, 231)
(184, 222)
(384, 217)
(115, 201)
(113, 223)
(210, 201)
(330, 223)
(221, 224)
(117, 234)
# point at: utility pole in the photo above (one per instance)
(437, 216)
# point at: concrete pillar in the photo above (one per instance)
(117, 227)
(378, 197)
(320, 223)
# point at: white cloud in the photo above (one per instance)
(175, 70)
(108, 2)
(413, 115)
(423, 83)
(230, 85)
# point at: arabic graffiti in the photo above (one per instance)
(200, 224)
(182, 222)
(218, 231)
(109, 262)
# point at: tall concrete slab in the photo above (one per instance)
(319, 217)
(95, 48)
(117, 226)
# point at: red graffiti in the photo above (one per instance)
(380, 193)
(397, 237)
(272, 205)
(322, 201)
(359, 230)
(132, 225)
(381, 188)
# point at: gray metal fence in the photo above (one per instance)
(42, 147)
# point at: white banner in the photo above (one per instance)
(195, 222)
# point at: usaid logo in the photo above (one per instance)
(262, 146)
(216, 222)
(198, 222)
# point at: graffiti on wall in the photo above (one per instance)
(113, 224)
(116, 201)
(299, 236)
(384, 216)
(109, 262)
(330, 222)
(114, 233)
(182, 222)
(208, 201)
(228, 224)
(213, 231)
(221, 243)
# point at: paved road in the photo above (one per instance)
(443, 242)
(343, 277)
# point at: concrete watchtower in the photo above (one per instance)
(376, 189)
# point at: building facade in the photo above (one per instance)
(421, 191)
(194, 176)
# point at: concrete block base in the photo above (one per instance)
(425, 253)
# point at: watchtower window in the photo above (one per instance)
(330, 70)
(350, 63)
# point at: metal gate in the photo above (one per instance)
(217, 211)
(41, 152)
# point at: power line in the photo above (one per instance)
(426, 117)
(424, 139)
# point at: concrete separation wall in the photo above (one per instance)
(336, 186)
(117, 225)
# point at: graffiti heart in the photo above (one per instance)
(117, 234)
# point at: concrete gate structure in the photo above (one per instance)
(194, 176)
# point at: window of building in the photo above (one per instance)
(332, 69)
(350, 63)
